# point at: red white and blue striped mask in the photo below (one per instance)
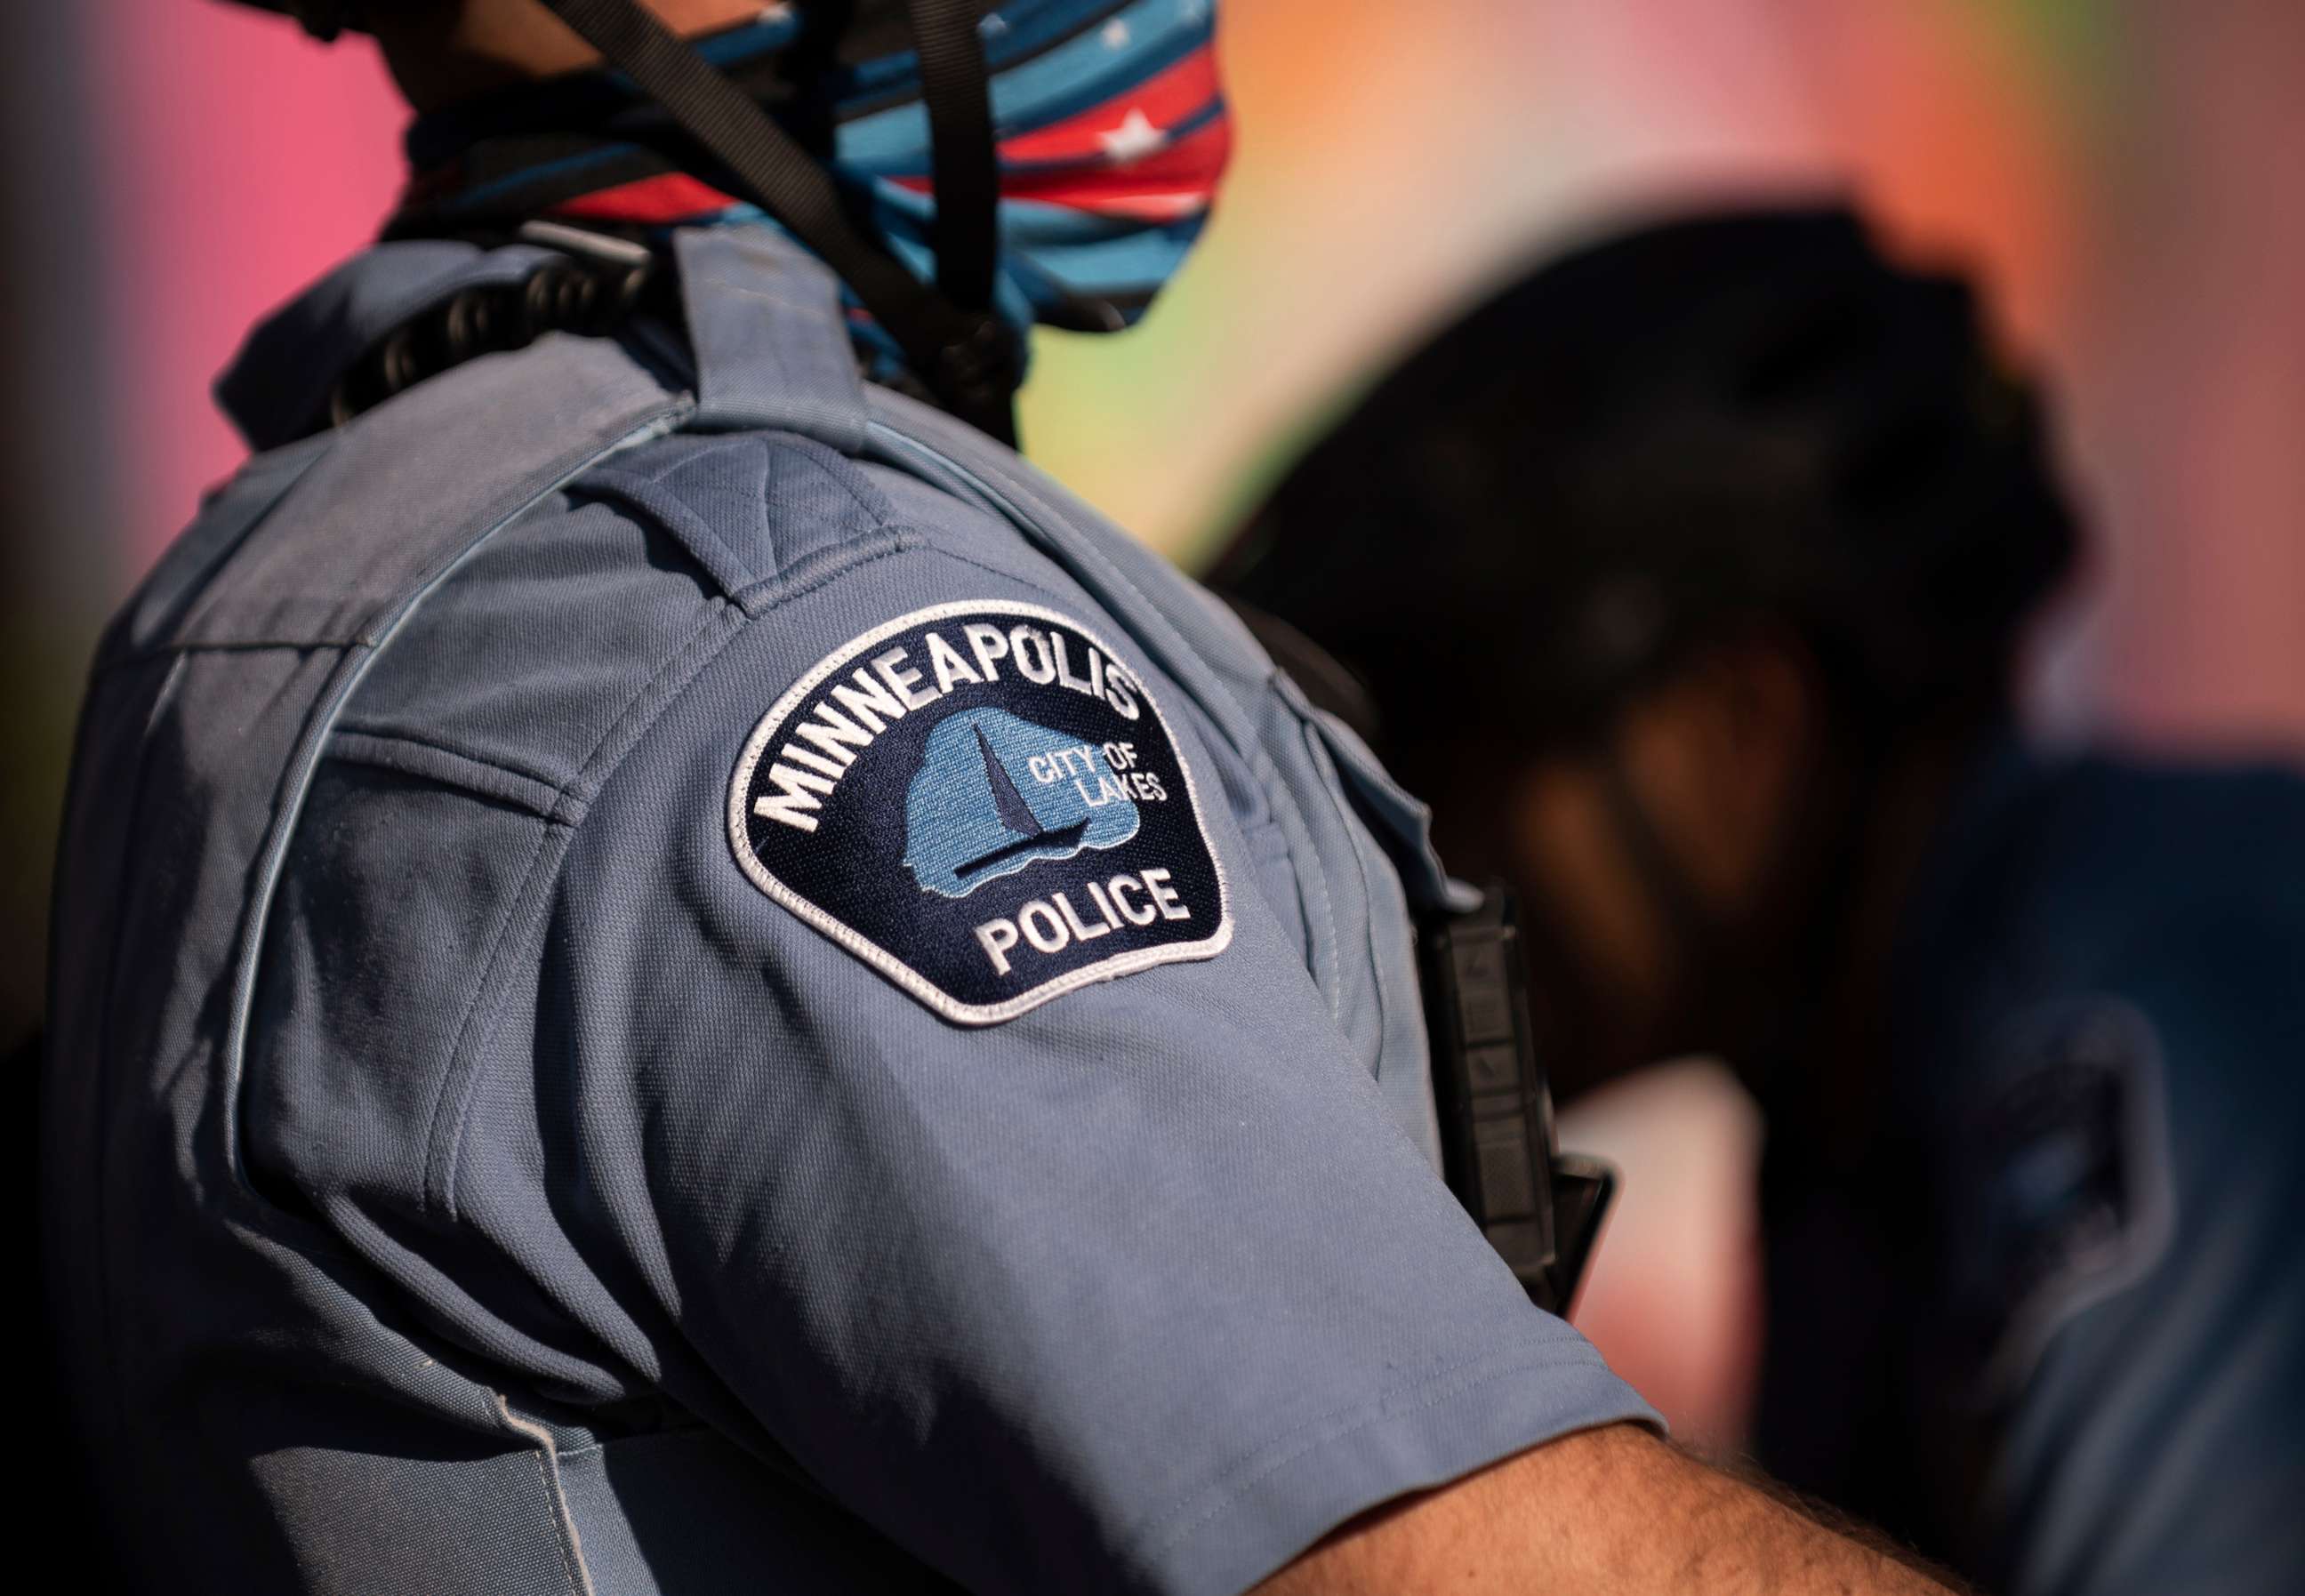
(1112, 127)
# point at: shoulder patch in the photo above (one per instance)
(2067, 1196)
(984, 802)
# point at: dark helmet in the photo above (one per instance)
(1741, 419)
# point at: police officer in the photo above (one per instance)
(673, 973)
(1686, 577)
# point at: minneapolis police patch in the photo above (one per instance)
(982, 801)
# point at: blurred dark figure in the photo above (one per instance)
(1685, 578)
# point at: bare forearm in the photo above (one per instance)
(1611, 1513)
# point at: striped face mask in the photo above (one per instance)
(1112, 129)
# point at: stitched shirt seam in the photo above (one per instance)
(1211, 1501)
(454, 1075)
(620, 481)
(356, 734)
(149, 652)
(450, 1158)
(1358, 842)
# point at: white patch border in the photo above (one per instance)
(888, 964)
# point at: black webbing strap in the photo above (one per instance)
(963, 353)
(964, 161)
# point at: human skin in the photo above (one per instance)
(1715, 754)
(1604, 1513)
(443, 51)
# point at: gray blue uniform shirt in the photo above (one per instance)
(2045, 1320)
(675, 973)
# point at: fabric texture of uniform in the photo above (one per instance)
(465, 1176)
(2048, 1330)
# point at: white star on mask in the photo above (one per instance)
(1135, 139)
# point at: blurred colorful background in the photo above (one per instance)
(2121, 176)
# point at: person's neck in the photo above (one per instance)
(445, 55)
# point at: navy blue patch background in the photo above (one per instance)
(852, 866)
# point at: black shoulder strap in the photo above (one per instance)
(965, 161)
(1328, 681)
(949, 334)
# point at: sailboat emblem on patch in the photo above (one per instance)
(967, 820)
(982, 801)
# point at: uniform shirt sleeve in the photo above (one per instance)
(2154, 1383)
(1142, 1290)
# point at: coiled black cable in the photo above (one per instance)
(591, 298)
